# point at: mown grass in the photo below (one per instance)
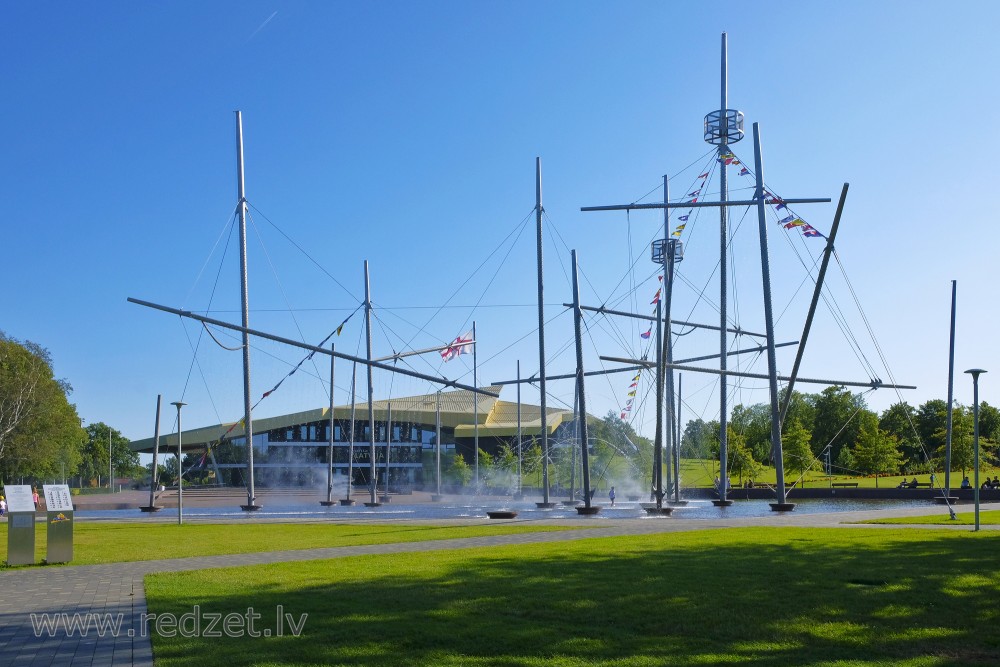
(106, 542)
(766, 596)
(964, 518)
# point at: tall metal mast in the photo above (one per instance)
(475, 406)
(541, 336)
(772, 371)
(329, 451)
(245, 306)
(722, 128)
(371, 391)
(951, 393)
(347, 500)
(577, 322)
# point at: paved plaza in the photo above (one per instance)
(118, 588)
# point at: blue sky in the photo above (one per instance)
(406, 134)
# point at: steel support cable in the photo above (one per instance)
(631, 268)
(195, 348)
(859, 353)
(864, 317)
(218, 342)
(308, 256)
(228, 225)
(815, 457)
(634, 306)
(593, 343)
(284, 295)
(516, 228)
(201, 373)
(524, 225)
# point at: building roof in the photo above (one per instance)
(496, 418)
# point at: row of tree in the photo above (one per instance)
(836, 425)
(41, 437)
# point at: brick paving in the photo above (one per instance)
(117, 588)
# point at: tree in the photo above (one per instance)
(700, 439)
(802, 407)
(40, 433)
(876, 452)
(989, 422)
(754, 424)
(932, 423)
(837, 419)
(94, 459)
(531, 458)
(458, 471)
(741, 459)
(962, 450)
(797, 452)
(900, 420)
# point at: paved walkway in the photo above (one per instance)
(117, 589)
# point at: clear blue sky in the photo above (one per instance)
(406, 134)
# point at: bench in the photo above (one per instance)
(852, 485)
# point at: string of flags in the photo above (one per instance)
(633, 388)
(212, 445)
(789, 221)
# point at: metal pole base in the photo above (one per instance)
(347, 502)
(371, 504)
(782, 507)
(545, 506)
(251, 508)
(328, 503)
(501, 514)
(593, 509)
(658, 511)
(150, 508)
(722, 503)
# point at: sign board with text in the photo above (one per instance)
(19, 498)
(21, 525)
(57, 498)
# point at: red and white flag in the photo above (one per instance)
(461, 345)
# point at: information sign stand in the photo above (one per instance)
(59, 511)
(20, 525)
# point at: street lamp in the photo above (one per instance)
(975, 373)
(180, 468)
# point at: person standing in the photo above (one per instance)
(34, 496)
(611, 495)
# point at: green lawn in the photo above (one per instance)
(769, 596)
(106, 542)
(966, 517)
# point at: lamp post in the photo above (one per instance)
(180, 467)
(975, 373)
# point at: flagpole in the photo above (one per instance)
(329, 450)
(475, 404)
(518, 430)
(245, 303)
(371, 392)
(541, 337)
(350, 446)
